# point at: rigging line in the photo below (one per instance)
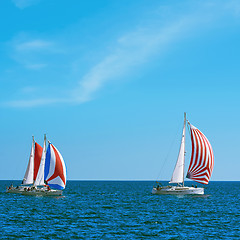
(167, 156)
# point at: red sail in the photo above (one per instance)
(202, 159)
(37, 159)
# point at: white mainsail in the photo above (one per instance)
(178, 173)
(40, 176)
(28, 177)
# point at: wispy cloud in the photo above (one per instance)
(36, 44)
(31, 52)
(36, 102)
(25, 3)
(131, 50)
(146, 42)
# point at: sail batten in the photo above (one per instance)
(202, 159)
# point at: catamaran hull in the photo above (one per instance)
(178, 191)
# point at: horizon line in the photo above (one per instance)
(127, 180)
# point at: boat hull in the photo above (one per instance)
(35, 192)
(15, 190)
(171, 190)
(43, 193)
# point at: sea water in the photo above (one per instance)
(121, 210)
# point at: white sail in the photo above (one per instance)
(28, 177)
(178, 173)
(40, 176)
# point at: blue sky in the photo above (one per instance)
(108, 82)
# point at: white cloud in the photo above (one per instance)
(24, 3)
(31, 52)
(35, 102)
(36, 44)
(137, 47)
(131, 50)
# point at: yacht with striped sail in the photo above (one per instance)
(200, 167)
(45, 173)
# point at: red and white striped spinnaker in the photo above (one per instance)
(202, 159)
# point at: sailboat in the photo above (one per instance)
(200, 167)
(45, 173)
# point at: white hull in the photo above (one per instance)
(35, 192)
(43, 193)
(14, 190)
(172, 190)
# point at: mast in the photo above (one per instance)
(184, 130)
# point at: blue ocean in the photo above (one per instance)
(121, 210)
